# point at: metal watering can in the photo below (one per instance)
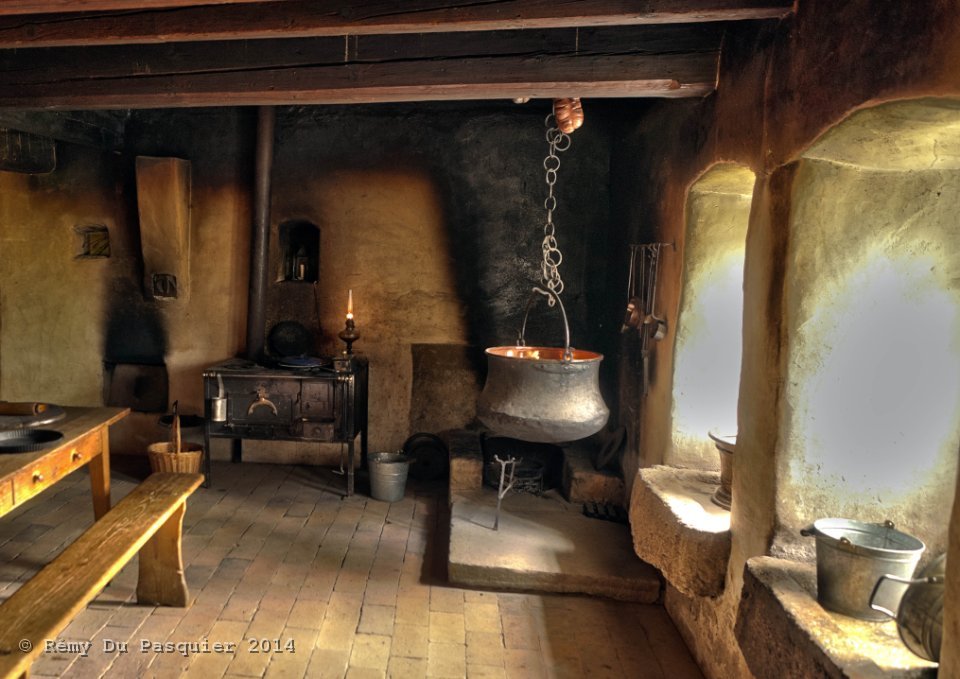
(543, 394)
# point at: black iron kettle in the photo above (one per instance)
(920, 615)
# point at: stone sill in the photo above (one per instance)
(784, 632)
(678, 529)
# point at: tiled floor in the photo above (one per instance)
(291, 580)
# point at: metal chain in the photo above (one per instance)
(552, 257)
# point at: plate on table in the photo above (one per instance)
(48, 415)
(27, 440)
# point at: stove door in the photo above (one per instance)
(317, 402)
(261, 402)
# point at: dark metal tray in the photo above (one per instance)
(27, 440)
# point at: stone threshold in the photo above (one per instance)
(784, 632)
(544, 544)
(678, 529)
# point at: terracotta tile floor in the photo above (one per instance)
(290, 580)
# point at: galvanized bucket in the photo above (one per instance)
(853, 556)
(388, 476)
(920, 618)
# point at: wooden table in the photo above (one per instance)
(85, 441)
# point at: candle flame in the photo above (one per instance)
(350, 303)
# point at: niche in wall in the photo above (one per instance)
(869, 423)
(300, 247)
(706, 376)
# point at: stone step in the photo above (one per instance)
(544, 544)
(583, 483)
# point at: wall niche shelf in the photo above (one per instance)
(784, 632)
(677, 528)
(300, 245)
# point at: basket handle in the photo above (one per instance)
(567, 350)
(176, 429)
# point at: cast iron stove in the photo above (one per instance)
(314, 403)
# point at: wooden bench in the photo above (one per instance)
(148, 520)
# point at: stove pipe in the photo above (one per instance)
(259, 251)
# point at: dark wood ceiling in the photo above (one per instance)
(120, 54)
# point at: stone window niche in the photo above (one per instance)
(300, 247)
(684, 533)
(869, 420)
(706, 376)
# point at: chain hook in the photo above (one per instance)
(557, 142)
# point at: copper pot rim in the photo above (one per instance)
(543, 354)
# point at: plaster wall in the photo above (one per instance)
(63, 316)
(780, 88)
(209, 325)
(383, 235)
(433, 219)
(432, 216)
(706, 378)
(870, 424)
(51, 302)
(950, 651)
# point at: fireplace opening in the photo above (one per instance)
(538, 469)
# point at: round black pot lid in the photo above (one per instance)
(27, 440)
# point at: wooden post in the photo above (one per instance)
(161, 579)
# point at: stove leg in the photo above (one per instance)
(350, 468)
(206, 456)
(236, 452)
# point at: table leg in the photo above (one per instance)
(100, 476)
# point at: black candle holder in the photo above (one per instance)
(349, 335)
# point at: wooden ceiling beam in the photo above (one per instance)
(98, 129)
(60, 6)
(60, 64)
(662, 75)
(128, 22)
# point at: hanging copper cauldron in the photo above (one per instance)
(543, 394)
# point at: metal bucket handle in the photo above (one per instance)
(811, 531)
(567, 350)
(933, 580)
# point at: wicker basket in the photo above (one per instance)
(175, 456)
(164, 458)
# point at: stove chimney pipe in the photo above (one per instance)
(260, 246)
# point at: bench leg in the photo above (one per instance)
(161, 578)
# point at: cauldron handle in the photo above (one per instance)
(567, 350)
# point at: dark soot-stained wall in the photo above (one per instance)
(432, 214)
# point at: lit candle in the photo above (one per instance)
(350, 304)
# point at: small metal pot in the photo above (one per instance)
(920, 615)
(218, 404)
(543, 394)
(853, 556)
